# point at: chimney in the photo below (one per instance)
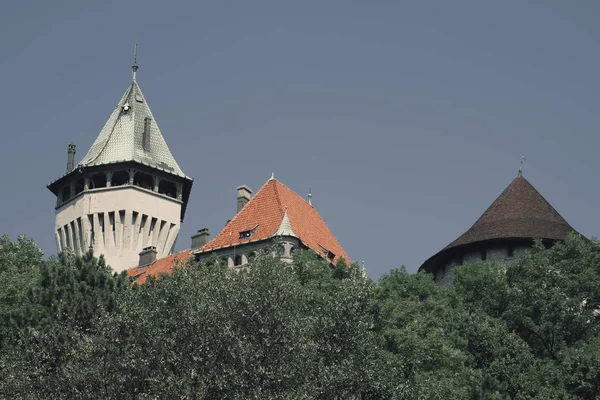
(243, 196)
(147, 256)
(71, 158)
(200, 238)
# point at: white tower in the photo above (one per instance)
(127, 194)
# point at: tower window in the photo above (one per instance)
(146, 135)
(510, 252)
(483, 255)
(238, 260)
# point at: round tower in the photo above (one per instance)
(508, 227)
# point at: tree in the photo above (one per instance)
(60, 308)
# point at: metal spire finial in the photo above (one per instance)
(523, 159)
(310, 196)
(272, 175)
(134, 67)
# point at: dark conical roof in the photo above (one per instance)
(520, 212)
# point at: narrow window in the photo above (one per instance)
(238, 260)
(510, 252)
(483, 255)
(146, 135)
(91, 224)
(101, 221)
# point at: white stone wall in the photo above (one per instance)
(118, 222)
(492, 253)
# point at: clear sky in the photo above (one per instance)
(407, 119)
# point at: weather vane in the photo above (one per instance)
(521, 167)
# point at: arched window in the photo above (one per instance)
(120, 178)
(251, 256)
(143, 180)
(168, 188)
(98, 180)
(238, 260)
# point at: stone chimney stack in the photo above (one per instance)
(71, 157)
(200, 238)
(147, 256)
(243, 196)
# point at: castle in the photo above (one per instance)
(126, 199)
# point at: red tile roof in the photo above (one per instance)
(161, 266)
(265, 212)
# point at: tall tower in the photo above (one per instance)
(127, 194)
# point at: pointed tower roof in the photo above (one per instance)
(285, 229)
(122, 137)
(520, 212)
(276, 210)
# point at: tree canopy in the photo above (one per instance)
(69, 328)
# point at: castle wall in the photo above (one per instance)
(118, 222)
(244, 251)
(496, 253)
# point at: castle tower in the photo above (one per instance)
(503, 232)
(127, 194)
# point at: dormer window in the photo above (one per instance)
(328, 253)
(126, 107)
(247, 234)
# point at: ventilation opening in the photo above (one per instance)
(247, 233)
(328, 253)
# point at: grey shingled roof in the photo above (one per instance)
(120, 140)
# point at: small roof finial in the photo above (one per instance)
(523, 159)
(310, 196)
(134, 67)
(272, 175)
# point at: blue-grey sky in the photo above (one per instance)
(407, 119)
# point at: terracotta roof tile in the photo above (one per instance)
(265, 212)
(161, 266)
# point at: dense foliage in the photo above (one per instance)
(71, 329)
